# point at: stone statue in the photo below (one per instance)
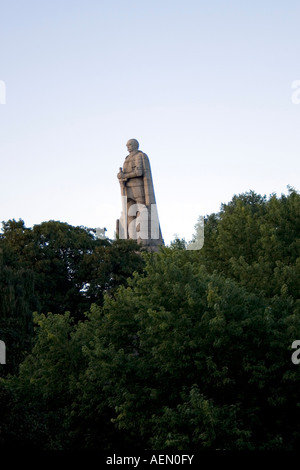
(139, 219)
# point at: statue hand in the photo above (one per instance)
(122, 176)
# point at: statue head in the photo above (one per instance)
(132, 145)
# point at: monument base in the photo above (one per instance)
(150, 244)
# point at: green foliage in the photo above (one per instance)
(181, 350)
(16, 303)
(178, 244)
(181, 359)
(55, 267)
(70, 266)
(256, 242)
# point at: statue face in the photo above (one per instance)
(132, 145)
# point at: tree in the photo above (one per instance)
(181, 349)
(256, 242)
(16, 303)
(180, 359)
(55, 267)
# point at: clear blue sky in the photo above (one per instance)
(204, 86)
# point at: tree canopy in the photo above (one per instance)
(55, 267)
(177, 350)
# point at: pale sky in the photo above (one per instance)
(205, 87)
